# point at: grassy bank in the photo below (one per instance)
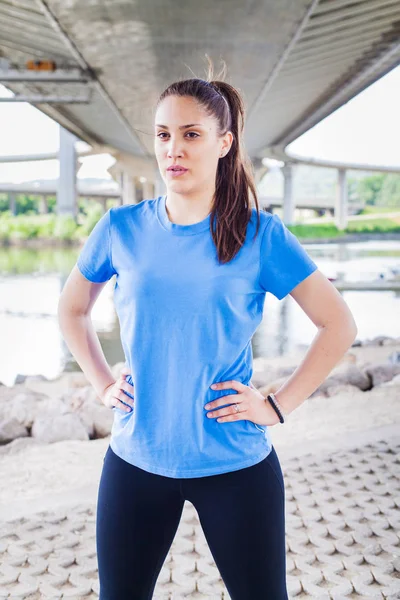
(47, 226)
(329, 230)
(65, 229)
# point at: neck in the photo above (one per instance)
(184, 209)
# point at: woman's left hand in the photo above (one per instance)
(252, 405)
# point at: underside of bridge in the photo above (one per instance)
(295, 62)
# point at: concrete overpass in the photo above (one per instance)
(295, 61)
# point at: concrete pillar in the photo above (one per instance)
(148, 190)
(42, 205)
(66, 193)
(341, 209)
(128, 188)
(288, 200)
(260, 170)
(12, 199)
(159, 186)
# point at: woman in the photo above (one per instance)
(192, 269)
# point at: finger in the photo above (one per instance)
(125, 370)
(228, 411)
(235, 417)
(119, 404)
(231, 384)
(227, 399)
(127, 387)
(124, 398)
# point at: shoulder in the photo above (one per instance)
(121, 213)
(265, 218)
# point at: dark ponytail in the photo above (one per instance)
(235, 184)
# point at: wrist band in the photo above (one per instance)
(277, 407)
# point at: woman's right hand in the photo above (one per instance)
(114, 393)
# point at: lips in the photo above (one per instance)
(174, 169)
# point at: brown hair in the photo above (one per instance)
(231, 208)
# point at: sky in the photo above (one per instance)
(365, 130)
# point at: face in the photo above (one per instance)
(185, 135)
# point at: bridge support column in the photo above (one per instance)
(341, 210)
(66, 192)
(42, 205)
(12, 199)
(288, 201)
(148, 190)
(260, 170)
(159, 186)
(128, 188)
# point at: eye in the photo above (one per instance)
(162, 133)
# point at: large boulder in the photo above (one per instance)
(95, 416)
(392, 383)
(10, 429)
(379, 340)
(56, 428)
(348, 374)
(382, 372)
(26, 407)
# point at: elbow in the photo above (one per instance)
(351, 331)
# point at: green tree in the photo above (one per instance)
(369, 188)
(390, 192)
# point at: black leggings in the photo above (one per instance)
(242, 514)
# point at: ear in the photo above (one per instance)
(226, 143)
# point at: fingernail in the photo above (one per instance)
(214, 385)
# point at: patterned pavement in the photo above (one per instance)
(342, 538)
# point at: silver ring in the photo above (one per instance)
(237, 407)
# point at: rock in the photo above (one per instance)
(394, 358)
(11, 429)
(27, 406)
(282, 372)
(392, 382)
(19, 379)
(77, 379)
(271, 387)
(18, 445)
(116, 369)
(77, 398)
(356, 343)
(347, 374)
(61, 427)
(379, 340)
(100, 418)
(349, 357)
(335, 390)
(8, 393)
(96, 417)
(391, 342)
(30, 378)
(382, 372)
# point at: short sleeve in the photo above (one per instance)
(284, 263)
(94, 260)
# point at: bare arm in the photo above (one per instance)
(337, 330)
(74, 308)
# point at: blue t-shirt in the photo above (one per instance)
(186, 322)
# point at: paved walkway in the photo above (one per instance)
(342, 535)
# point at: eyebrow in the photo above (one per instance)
(182, 126)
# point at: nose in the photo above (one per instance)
(174, 148)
